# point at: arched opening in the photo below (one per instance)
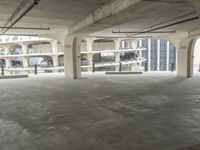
(41, 61)
(40, 47)
(15, 50)
(2, 50)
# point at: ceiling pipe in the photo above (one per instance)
(167, 1)
(169, 20)
(25, 28)
(128, 32)
(35, 2)
(139, 37)
(19, 34)
(19, 8)
(169, 25)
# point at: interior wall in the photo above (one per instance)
(103, 46)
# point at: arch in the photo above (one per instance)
(39, 47)
(15, 49)
(42, 61)
(2, 50)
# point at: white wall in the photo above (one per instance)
(103, 45)
(45, 48)
(197, 56)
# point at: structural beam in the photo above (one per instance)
(107, 16)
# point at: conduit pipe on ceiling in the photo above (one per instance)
(172, 24)
(35, 2)
(128, 32)
(25, 28)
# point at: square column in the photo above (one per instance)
(158, 56)
(167, 56)
(149, 54)
(24, 48)
(140, 52)
(55, 61)
(8, 63)
(25, 62)
(89, 44)
(54, 45)
(72, 57)
(117, 60)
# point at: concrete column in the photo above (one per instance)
(24, 48)
(185, 57)
(117, 43)
(54, 45)
(140, 52)
(6, 49)
(90, 58)
(134, 44)
(25, 62)
(89, 44)
(167, 55)
(158, 56)
(117, 54)
(72, 56)
(55, 61)
(117, 60)
(149, 54)
(8, 63)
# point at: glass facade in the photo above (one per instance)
(154, 48)
(172, 56)
(163, 55)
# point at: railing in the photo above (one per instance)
(6, 39)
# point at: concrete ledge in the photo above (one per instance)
(124, 72)
(13, 76)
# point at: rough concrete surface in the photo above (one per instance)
(100, 112)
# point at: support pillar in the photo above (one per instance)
(24, 48)
(89, 44)
(8, 62)
(6, 50)
(117, 54)
(167, 55)
(149, 54)
(55, 61)
(25, 62)
(134, 44)
(54, 45)
(185, 57)
(72, 57)
(140, 52)
(117, 60)
(158, 56)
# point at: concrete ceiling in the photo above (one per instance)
(61, 14)
(58, 14)
(150, 14)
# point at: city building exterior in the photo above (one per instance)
(20, 54)
(160, 55)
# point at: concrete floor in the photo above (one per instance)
(104, 112)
